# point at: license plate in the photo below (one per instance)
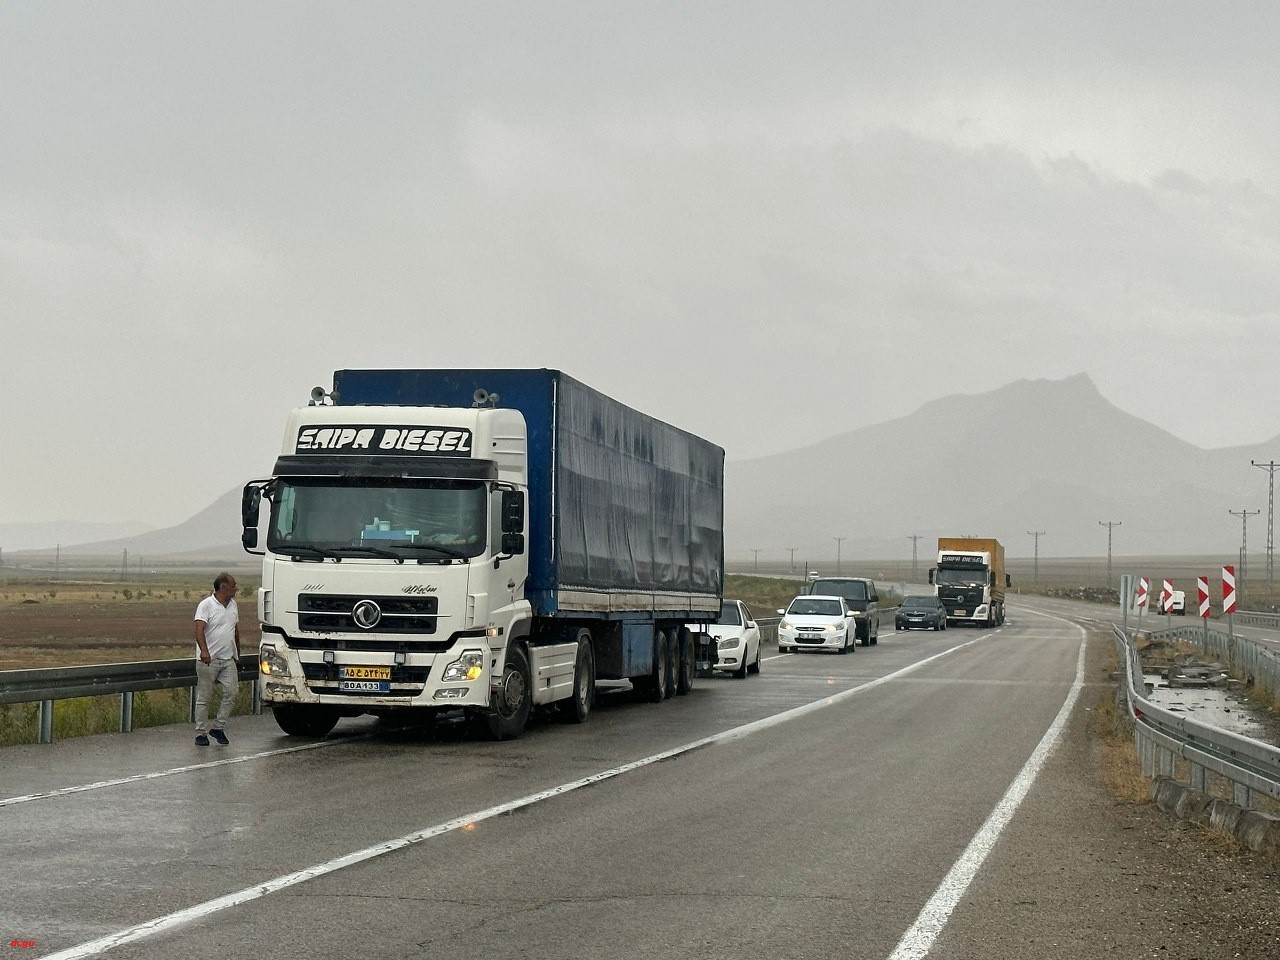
(364, 673)
(364, 686)
(962, 613)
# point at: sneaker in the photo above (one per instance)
(219, 736)
(202, 740)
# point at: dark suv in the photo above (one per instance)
(861, 596)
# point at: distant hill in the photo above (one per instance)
(1051, 455)
(41, 536)
(215, 530)
(1044, 455)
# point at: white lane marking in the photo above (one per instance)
(920, 938)
(199, 911)
(173, 771)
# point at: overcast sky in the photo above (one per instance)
(768, 223)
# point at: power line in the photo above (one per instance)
(1038, 534)
(1271, 513)
(1109, 524)
(1244, 516)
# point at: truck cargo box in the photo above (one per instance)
(626, 511)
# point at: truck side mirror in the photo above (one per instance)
(249, 538)
(513, 516)
(931, 571)
(1008, 580)
(513, 543)
(250, 501)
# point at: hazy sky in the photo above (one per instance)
(768, 223)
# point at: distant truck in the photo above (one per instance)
(970, 580)
(480, 540)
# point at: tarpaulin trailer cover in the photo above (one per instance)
(618, 500)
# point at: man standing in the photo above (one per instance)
(217, 649)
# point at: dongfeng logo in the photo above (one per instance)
(366, 614)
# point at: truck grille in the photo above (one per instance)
(331, 613)
(405, 681)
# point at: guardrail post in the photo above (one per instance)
(46, 721)
(257, 697)
(191, 714)
(1199, 778)
(1165, 761)
(126, 712)
(1241, 796)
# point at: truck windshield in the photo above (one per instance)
(962, 576)
(364, 516)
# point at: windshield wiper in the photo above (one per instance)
(370, 551)
(299, 550)
(439, 548)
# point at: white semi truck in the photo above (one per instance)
(480, 540)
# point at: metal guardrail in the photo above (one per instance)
(1258, 619)
(45, 686)
(1161, 737)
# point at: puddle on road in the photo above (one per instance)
(1209, 705)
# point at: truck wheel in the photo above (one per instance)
(673, 663)
(654, 687)
(513, 699)
(578, 707)
(304, 720)
(688, 661)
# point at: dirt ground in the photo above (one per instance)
(54, 632)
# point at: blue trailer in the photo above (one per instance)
(485, 540)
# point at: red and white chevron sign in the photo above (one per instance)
(1166, 597)
(1202, 594)
(1228, 589)
(1144, 588)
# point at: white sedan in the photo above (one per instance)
(737, 639)
(817, 623)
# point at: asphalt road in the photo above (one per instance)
(935, 795)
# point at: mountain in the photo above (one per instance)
(1050, 455)
(1034, 455)
(215, 530)
(40, 536)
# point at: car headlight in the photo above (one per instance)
(834, 627)
(783, 625)
(728, 643)
(469, 666)
(272, 664)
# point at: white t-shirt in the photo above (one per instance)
(219, 627)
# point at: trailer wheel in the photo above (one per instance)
(305, 720)
(513, 699)
(577, 708)
(688, 648)
(654, 687)
(673, 663)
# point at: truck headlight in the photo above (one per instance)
(272, 663)
(469, 666)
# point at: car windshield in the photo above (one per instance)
(849, 589)
(729, 615)
(962, 576)
(920, 602)
(815, 606)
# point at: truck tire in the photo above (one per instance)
(673, 663)
(578, 707)
(305, 720)
(653, 688)
(513, 699)
(688, 649)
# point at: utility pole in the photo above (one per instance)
(1271, 513)
(915, 539)
(792, 551)
(1109, 524)
(1244, 516)
(1037, 534)
(838, 540)
(124, 566)
(755, 568)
